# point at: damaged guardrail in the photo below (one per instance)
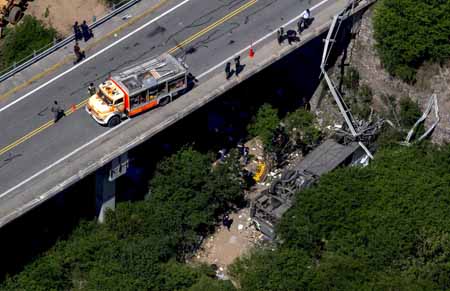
(432, 103)
(343, 108)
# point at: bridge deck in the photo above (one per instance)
(59, 155)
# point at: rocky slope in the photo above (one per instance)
(362, 55)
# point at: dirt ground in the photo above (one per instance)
(224, 246)
(62, 14)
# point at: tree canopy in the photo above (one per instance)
(20, 41)
(410, 32)
(141, 244)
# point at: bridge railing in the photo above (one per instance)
(37, 55)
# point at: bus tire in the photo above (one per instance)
(165, 101)
(113, 121)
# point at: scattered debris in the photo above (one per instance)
(274, 200)
(223, 247)
(432, 102)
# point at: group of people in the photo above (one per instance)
(81, 32)
(238, 68)
(291, 35)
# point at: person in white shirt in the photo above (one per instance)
(304, 21)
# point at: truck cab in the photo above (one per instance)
(137, 89)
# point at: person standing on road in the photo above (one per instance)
(58, 112)
(237, 64)
(80, 55)
(303, 23)
(228, 70)
(91, 89)
(280, 35)
(77, 31)
(87, 34)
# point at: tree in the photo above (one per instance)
(301, 128)
(410, 32)
(264, 124)
(138, 245)
(29, 35)
(272, 270)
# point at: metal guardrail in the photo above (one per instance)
(52, 47)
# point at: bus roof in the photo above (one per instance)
(149, 73)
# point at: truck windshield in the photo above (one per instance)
(104, 98)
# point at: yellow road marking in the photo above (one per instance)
(38, 130)
(68, 59)
(172, 50)
(212, 26)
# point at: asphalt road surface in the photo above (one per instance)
(210, 32)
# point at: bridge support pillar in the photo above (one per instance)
(105, 194)
(105, 185)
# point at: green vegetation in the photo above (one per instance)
(358, 96)
(141, 244)
(409, 112)
(264, 124)
(301, 128)
(21, 40)
(410, 32)
(383, 227)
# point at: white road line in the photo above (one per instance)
(258, 41)
(198, 77)
(94, 55)
(65, 157)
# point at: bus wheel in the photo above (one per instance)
(164, 101)
(113, 121)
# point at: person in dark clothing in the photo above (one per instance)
(237, 63)
(91, 89)
(87, 34)
(58, 112)
(280, 35)
(227, 221)
(291, 36)
(245, 155)
(80, 55)
(77, 31)
(228, 70)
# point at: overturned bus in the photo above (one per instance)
(267, 208)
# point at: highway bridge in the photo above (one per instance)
(40, 158)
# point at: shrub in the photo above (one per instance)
(301, 128)
(409, 112)
(409, 32)
(265, 123)
(351, 79)
(20, 41)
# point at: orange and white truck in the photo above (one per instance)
(137, 89)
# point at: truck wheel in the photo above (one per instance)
(113, 121)
(15, 14)
(164, 101)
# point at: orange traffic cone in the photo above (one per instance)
(251, 52)
(73, 107)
